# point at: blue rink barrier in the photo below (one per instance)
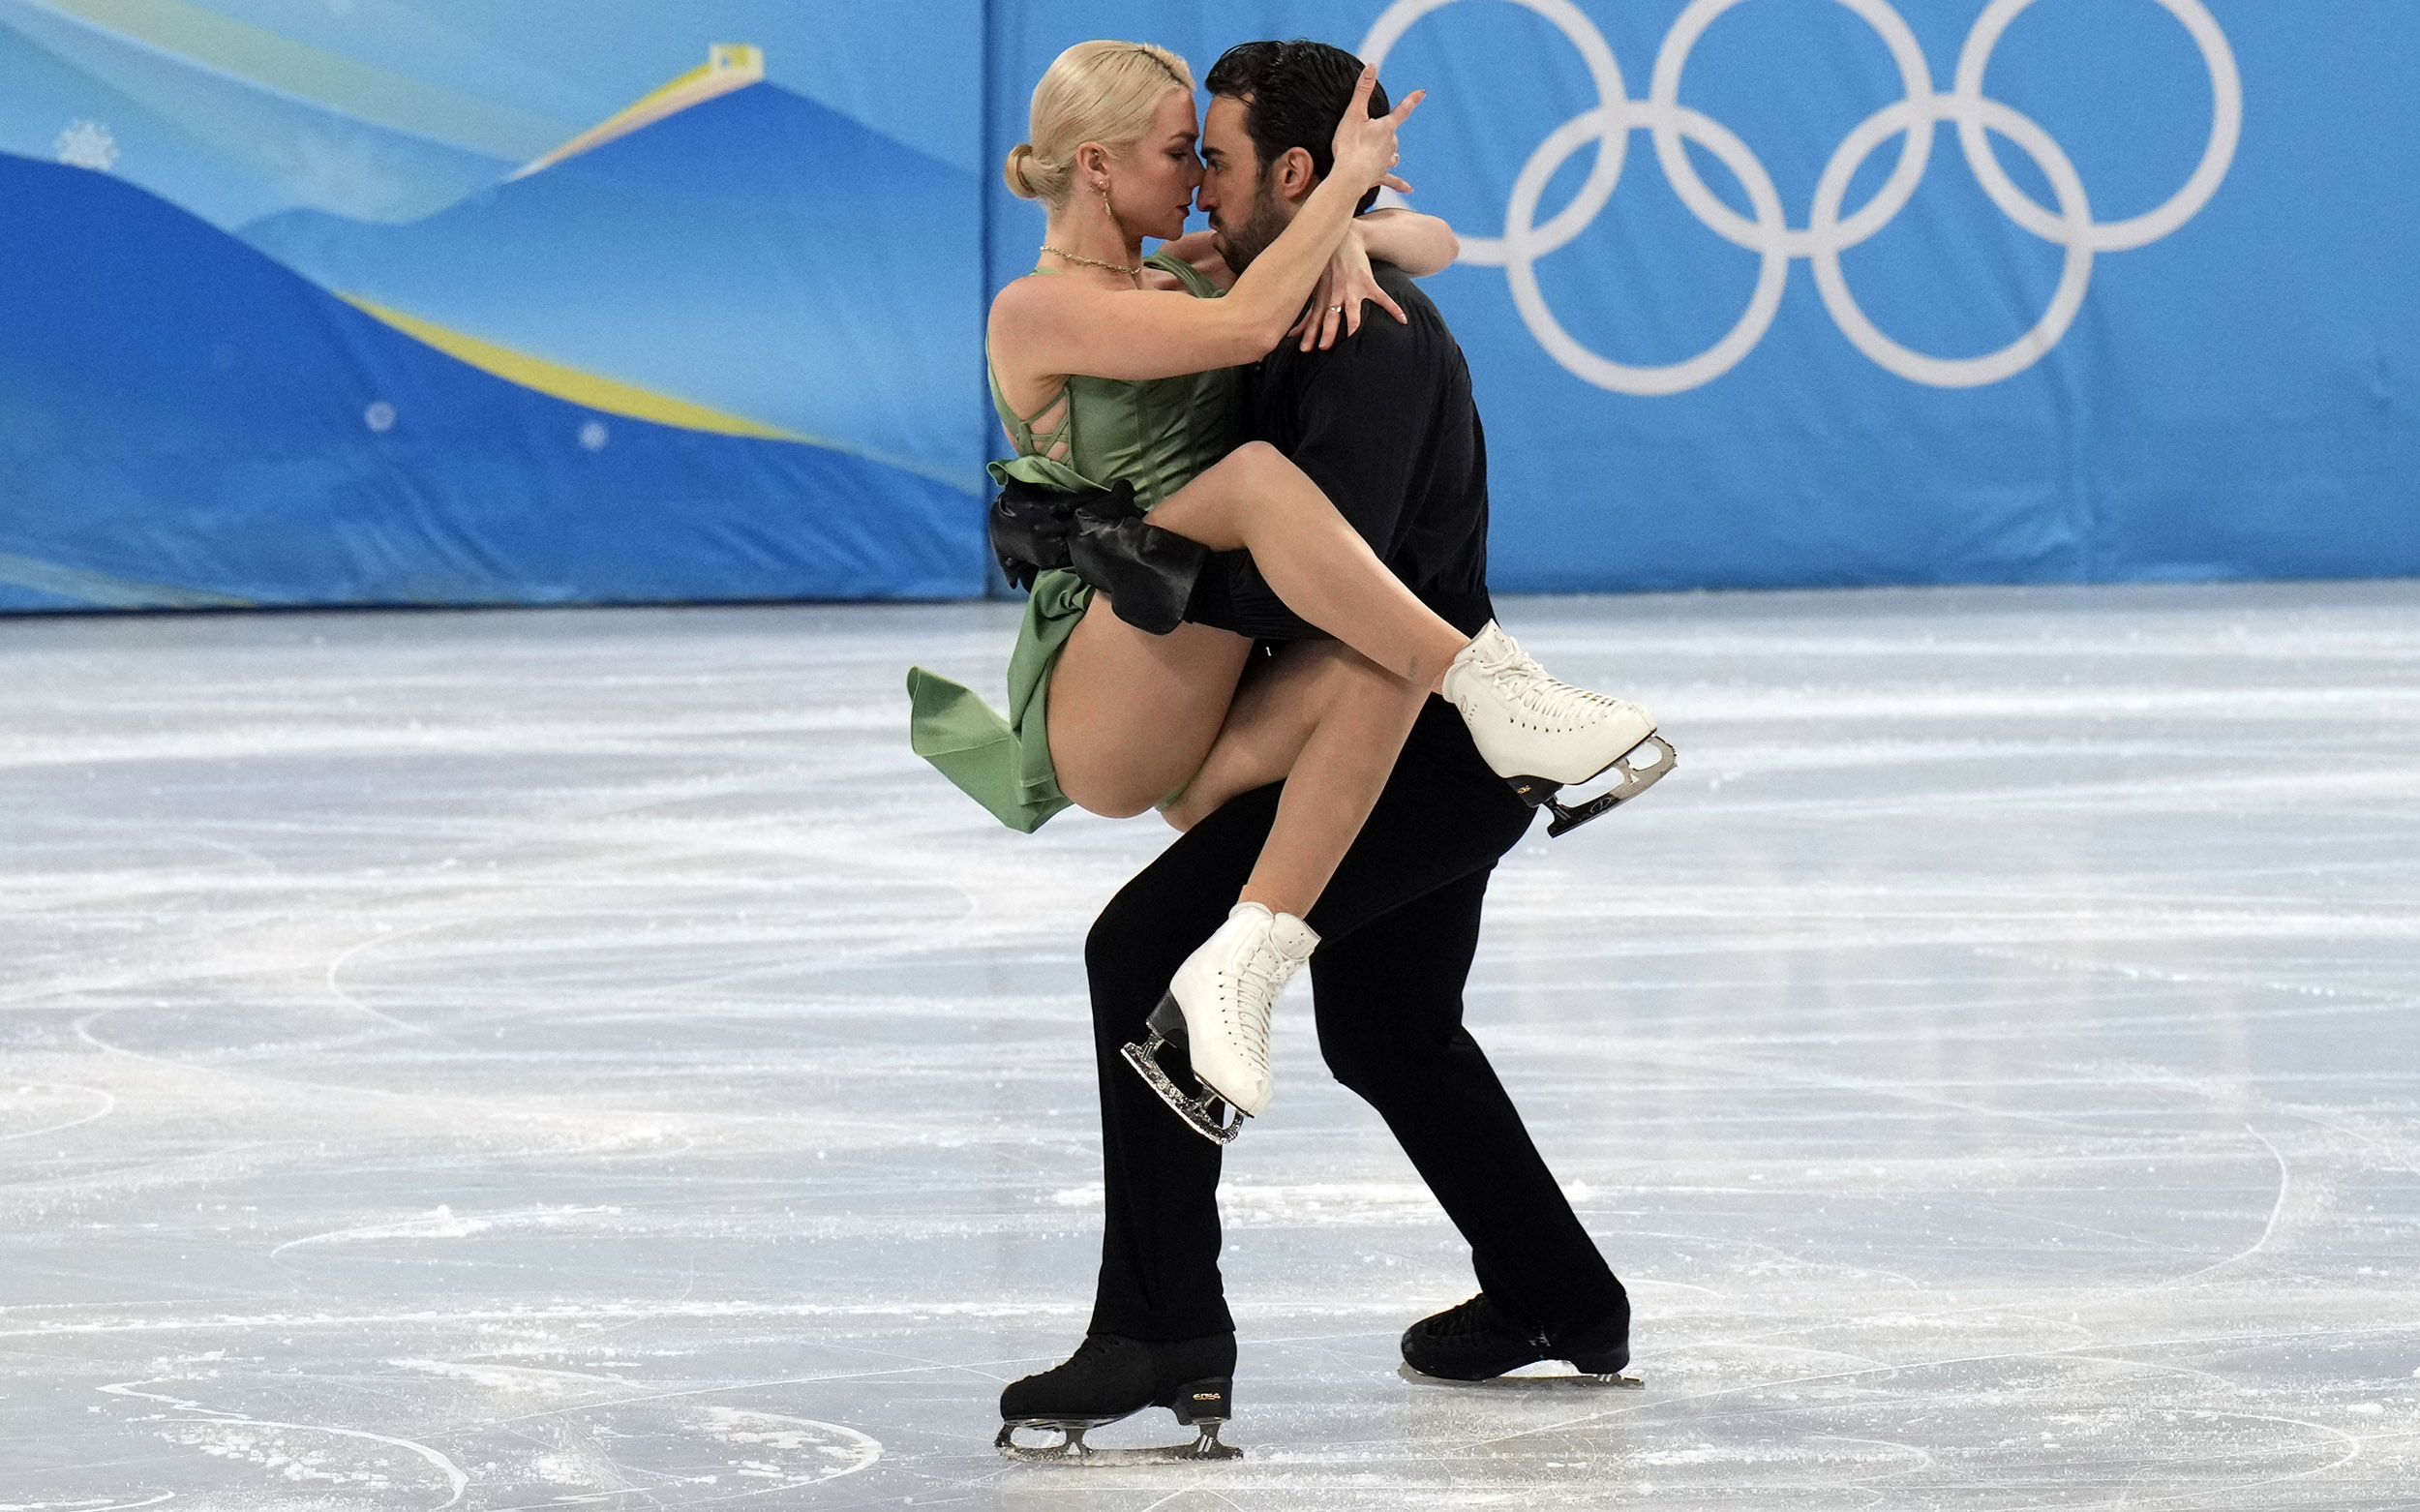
(1755, 292)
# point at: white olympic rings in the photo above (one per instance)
(1829, 232)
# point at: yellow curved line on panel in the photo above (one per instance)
(257, 55)
(589, 390)
(728, 66)
(105, 590)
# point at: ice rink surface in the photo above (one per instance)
(539, 1059)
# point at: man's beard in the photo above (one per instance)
(1241, 243)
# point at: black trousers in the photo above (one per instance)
(1398, 927)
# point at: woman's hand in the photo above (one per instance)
(1365, 145)
(1345, 282)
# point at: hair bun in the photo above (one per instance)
(1020, 181)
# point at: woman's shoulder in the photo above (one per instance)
(1043, 300)
(1042, 292)
(1029, 303)
(1028, 290)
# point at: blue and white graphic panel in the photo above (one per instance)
(1767, 292)
(487, 301)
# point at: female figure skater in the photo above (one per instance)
(1109, 368)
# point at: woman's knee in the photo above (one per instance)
(1265, 472)
(1259, 457)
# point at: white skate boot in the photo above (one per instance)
(1218, 1007)
(1540, 734)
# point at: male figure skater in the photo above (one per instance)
(1384, 423)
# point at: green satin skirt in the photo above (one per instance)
(1004, 764)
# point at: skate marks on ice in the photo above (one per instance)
(274, 1446)
(761, 1452)
(443, 1222)
(666, 1447)
(1988, 1059)
(2044, 1429)
(30, 1110)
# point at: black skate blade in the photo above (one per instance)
(1560, 1382)
(1201, 1113)
(1635, 770)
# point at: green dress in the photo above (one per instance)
(1156, 435)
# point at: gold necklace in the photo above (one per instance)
(1130, 269)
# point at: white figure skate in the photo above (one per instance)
(1218, 1007)
(1540, 734)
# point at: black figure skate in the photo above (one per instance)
(1475, 1344)
(1112, 1377)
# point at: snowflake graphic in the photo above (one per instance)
(593, 435)
(87, 145)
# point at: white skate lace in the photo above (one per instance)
(1553, 701)
(1259, 978)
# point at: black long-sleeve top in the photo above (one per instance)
(1384, 424)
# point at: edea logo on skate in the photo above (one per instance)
(1827, 231)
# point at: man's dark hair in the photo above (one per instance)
(1293, 94)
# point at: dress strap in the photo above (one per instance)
(1197, 283)
(1030, 442)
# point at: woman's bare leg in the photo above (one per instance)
(1327, 721)
(1132, 714)
(1254, 500)
(1275, 709)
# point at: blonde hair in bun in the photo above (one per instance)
(1105, 92)
(1019, 174)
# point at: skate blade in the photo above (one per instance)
(1636, 769)
(1072, 1451)
(1201, 1113)
(1556, 1383)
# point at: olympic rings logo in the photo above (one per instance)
(1829, 230)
